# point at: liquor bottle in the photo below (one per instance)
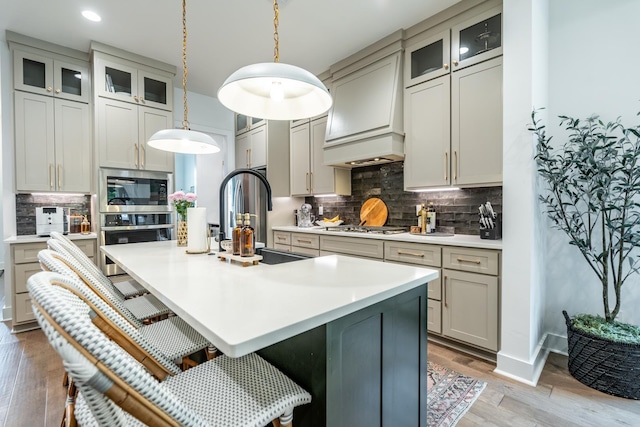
(235, 235)
(431, 218)
(247, 243)
(85, 226)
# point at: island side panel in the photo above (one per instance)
(377, 366)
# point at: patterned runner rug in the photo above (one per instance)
(449, 395)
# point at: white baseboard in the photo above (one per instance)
(557, 344)
(524, 371)
(6, 313)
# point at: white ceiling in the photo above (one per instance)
(222, 36)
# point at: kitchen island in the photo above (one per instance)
(351, 331)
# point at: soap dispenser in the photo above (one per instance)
(235, 235)
(85, 226)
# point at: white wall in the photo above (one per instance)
(593, 69)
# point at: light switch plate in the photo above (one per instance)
(320, 210)
(418, 207)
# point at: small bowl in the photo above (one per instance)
(227, 245)
(329, 223)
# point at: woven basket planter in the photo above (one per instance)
(602, 364)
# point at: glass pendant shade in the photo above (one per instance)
(275, 91)
(183, 141)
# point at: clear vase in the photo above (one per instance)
(182, 232)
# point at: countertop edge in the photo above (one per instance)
(35, 239)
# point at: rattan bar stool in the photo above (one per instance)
(234, 392)
(126, 288)
(172, 339)
(144, 307)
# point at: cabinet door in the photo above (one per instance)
(427, 59)
(470, 308)
(72, 146)
(476, 40)
(155, 90)
(71, 81)
(151, 120)
(300, 154)
(242, 151)
(323, 178)
(115, 80)
(428, 135)
(241, 123)
(258, 149)
(117, 134)
(32, 73)
(476, 124)
(434, 316)
(35, 153)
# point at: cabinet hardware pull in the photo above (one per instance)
(246, 157)
(57, 91)
(475, 261)
(142, 100)
(135, 158)
(421, 255)
(455, 63)
(446, 66)
(142, 155)
(135, 98)
(306, 181)
(59, 178)
(49, 88)
(304, 241)
(249, 161)
(455, 165)
(445, 291)
(310, 181)
(281, 238)
(50, 175)
(446, 165)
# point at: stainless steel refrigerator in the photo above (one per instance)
(246, 194)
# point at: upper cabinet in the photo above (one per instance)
(309, 176)
(52, 125)
(453, 103)
(245, 123)
(133, 100)
(44, 75)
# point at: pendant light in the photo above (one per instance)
(184, 140)
(275, 91)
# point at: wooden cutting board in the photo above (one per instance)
(373, 212)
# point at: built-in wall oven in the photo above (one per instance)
(134, 208)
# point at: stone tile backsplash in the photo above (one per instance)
(26, 205)
(456, 211)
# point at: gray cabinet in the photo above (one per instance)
(309, 176)
(453, 111)
(53, 144)
(245, 123)
(470, 296)
(251, 148)
(123, 130)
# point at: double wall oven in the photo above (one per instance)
(134, 208)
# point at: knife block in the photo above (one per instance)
(494, 233)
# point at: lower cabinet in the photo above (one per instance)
(25, 264)
(302, 243)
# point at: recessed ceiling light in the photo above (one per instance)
(91, 16)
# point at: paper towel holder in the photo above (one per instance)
(207, 250)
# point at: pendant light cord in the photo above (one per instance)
(185, 70)
(276, 37)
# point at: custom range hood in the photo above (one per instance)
(365, 124)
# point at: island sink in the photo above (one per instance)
(275, 256)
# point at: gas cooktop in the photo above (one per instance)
(367, 229)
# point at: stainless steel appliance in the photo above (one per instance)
(132, 191)
(305, 217)
(123, 228)
(134, 208)
(365, 229)
(246, 194)
(51, 218)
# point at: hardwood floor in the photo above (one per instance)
(31, 391)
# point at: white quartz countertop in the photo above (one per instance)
(34, 239)
(465, 240)
(243, 309)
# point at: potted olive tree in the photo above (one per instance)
(593, 195)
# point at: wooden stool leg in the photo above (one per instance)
(285, 420)
(65, 379)
(211, 352)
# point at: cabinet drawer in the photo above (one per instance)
(282, 247)
(282, 238)
(88, 246)
(434, 316)
(27, 252)
(305, 251)
(22, 310)
(353, 246)
(22, 272)
(305, 241)
(473, 260)
(413, 253)
(434, 287)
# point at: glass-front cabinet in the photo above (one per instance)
(477, 39)
(245, 123)
(135, 85)
(45, 75)
(427, 59)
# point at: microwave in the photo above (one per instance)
(131, 191)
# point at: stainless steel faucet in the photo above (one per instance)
(223, 186)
